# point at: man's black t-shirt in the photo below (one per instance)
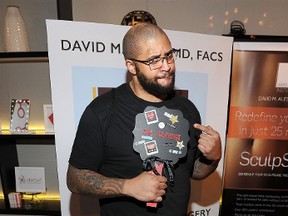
(104, 144)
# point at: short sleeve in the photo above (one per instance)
(88, 146)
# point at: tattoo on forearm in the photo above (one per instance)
(202, 170)
(92, 183)
(197, 166)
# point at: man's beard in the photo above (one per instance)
(153, 87)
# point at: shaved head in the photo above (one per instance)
(132, 41)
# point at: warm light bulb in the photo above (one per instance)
(261, 23)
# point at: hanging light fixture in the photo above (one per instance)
(138, 16)
(237, 28)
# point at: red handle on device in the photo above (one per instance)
(159, 168)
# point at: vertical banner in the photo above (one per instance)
(256, 157)
(86, 60)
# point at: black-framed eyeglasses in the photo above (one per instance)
(156, 62)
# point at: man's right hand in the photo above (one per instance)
(146, 187)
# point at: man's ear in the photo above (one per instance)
(130, 66)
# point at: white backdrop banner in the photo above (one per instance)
(85, 58)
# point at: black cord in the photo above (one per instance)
(168, 172)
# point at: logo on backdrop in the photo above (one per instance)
(115, 48)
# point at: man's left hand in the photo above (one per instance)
(209, 142)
